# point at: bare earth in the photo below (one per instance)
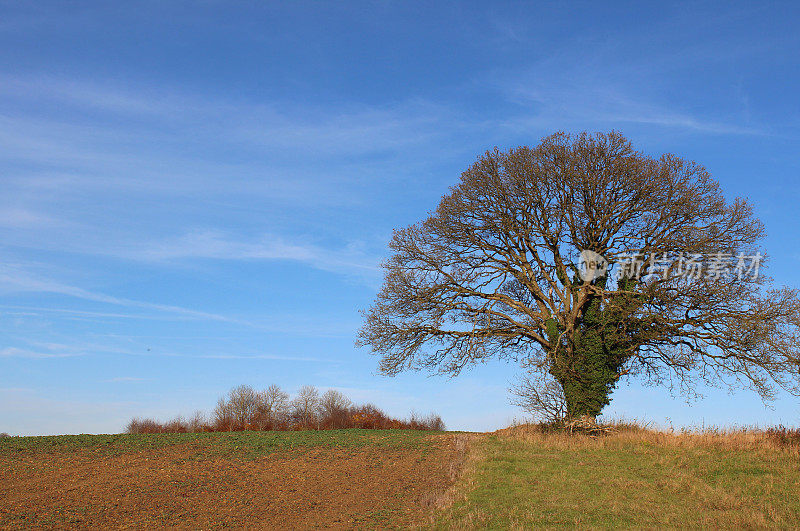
(183, 486)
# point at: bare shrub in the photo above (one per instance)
(432, 422)
(783, 436)
(198, 423)
(272, 411)
(223, 416)
(335, 410)
(540, 396)
(237, 411)
(242, 408)
(144, 426)
(370, 417)
(176, 425)
(305, 407)
(243, 403)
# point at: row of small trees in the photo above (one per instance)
(244, 408)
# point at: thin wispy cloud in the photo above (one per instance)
(23, 218)
(351, 259)
(10, 309)
(107, 157)
(14, 352)
(595, 83)
(18, 280)
(262, 357)
(87, 95)
(592, 104)
(280, 129)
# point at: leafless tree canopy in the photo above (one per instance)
(306, 405)
(240, 406)
(333, 402)
(541, 396)
(274, 405)
(493, 272)
(243, 408)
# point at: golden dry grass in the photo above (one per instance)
(624, 434)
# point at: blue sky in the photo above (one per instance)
(198, 195)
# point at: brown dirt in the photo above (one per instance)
(180, 487)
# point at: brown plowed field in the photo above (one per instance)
(189, 485)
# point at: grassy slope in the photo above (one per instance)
(627, 479)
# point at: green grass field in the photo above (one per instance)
(626, 480)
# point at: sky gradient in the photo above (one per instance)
(199, 195)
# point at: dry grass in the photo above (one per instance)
(529, 476)
(625, 434)
(463, 457)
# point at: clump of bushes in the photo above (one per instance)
(244, 408)
(4, 435)
(783, 436)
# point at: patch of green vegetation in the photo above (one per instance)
(522, 484)
(248, 444)
(253, 444)
(111, 442)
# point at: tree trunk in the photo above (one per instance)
(588, 371)
(585, 399)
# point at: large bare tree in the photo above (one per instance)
(588, 260)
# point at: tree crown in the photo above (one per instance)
(495, 271)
